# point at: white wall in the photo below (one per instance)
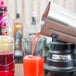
(25, 8)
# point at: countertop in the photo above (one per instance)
(19, 70)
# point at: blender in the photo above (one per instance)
(60, 24)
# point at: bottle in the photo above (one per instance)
(7, 62)
(18, 34)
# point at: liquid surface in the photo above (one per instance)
(7, 64)
(33, 65)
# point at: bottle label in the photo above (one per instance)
(4, 25)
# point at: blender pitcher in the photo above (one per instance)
(6, 56)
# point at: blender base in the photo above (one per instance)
(60, 74)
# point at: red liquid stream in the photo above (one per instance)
(7, 64)
(35, 41)
(33, 65)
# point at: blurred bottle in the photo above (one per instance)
(18, 34)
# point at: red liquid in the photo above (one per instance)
(7, 64)
(35, 41)
(33, 65)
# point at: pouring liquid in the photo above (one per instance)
(33, 65)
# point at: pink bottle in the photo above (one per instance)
(4, 27)
(7, 62)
